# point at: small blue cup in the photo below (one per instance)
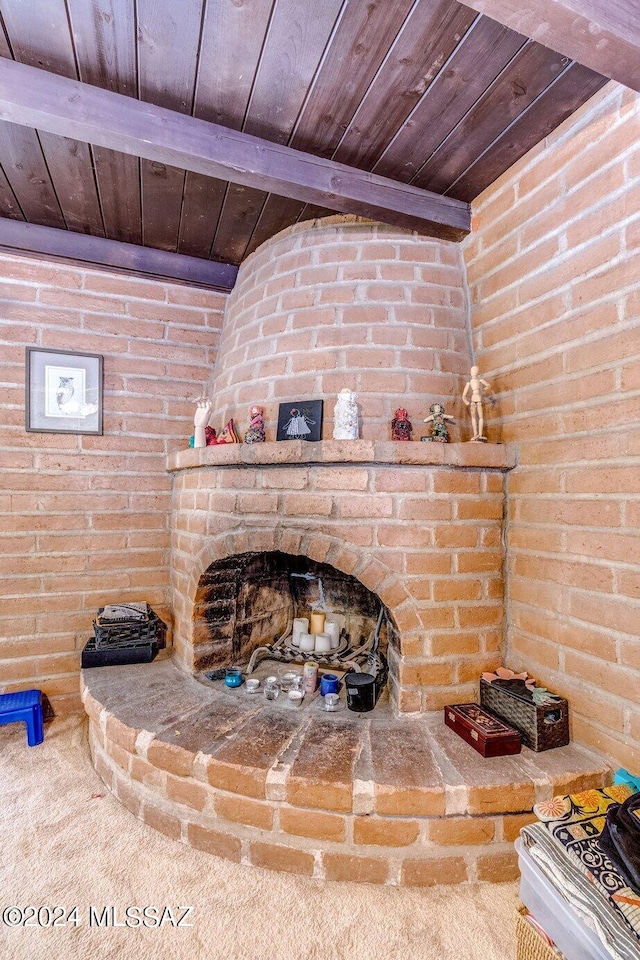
(329, 684)
(233, 676)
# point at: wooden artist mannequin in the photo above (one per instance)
(476, 386)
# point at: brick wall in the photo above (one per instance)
(553, 268)
(345, 303)
(84, 519)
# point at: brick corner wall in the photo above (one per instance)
(553, 266)
(84, 520)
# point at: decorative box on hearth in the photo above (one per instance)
(482, 731)
(116, 656)
(128, 624)
(542, 725)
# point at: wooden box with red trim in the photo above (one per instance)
(482, 731)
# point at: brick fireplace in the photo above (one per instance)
(420, 528)
(417, 527)
(324, 305)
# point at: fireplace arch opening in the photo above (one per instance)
(245, 606)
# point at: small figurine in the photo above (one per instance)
(401, 428)
(228, 435)
(255, 433)
(345, 416)
(438, 417)
(476, 385)
(201, 421)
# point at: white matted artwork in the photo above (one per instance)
(64, 391)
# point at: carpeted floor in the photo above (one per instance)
(61, 845)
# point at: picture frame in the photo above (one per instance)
(300, 420)
(63, 391)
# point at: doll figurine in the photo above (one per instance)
(345, 416)
(255, 433)
(401, 428)
(438, 418)
(476, 386)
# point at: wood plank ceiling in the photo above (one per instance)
(426, 92)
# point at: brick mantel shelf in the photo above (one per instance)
(494, 456)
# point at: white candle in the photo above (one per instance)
(332, 628)
(307, 642)
(323, 643)
(317, 621)
(300, 625)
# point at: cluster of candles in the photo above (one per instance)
(317, 635)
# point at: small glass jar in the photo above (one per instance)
(253, 685)
(271, 688)
(233, 676)
(286, 680)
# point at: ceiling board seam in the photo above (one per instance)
(196, 77)
(377, 74)
(220, 218)
(94, 172)
(76, 62)
(6, 35)
(196, 73)
(314, 79)
(97, 183)
(253, 83)
(53, 186)
(520, 52)
(515, 120)
(256, 225)
(426, 93)
(136, 54)
(13, 193)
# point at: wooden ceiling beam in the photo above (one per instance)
(68, 108)
(601, 34)
(17, 236)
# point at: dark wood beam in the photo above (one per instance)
(601, 34)
(19, 237)
(58, 105)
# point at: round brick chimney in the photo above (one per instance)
(342, 302)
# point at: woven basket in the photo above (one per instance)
(131, 632)
(529, 943)
(541, 727)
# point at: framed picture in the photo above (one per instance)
(64, 391)
(300, 420)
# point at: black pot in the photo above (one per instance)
(361, 692)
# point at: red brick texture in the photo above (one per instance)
(84, 519)
(424, 542)
(344, 303)
(407, 846)
(553, 266)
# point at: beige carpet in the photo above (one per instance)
(61, 845)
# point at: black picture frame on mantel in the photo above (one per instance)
(300, 420)
(63, 391)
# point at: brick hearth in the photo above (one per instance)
(380, 798)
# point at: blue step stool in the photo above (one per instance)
(25, 705)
